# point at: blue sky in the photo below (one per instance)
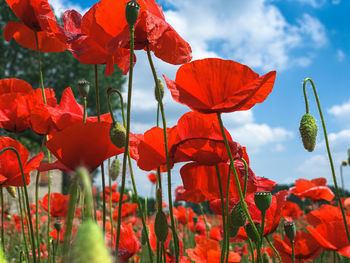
(299, 39)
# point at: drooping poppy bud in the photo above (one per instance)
(132, 12)
(308, 131)
(161, 226)
(289, 228)
(114, 169)
(237, 216)
(84, 87)
(89, 245)
(12, 191)
(159, 95)
(262, 200)
(117, 133)
(232, 230)
(251, 234)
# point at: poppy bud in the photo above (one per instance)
(144, 235)
(232, 230)
(84, 87)
(266, 258)
(117, 133)
(12, 191)
(161, 226)
(130, 194)
(251, 234)
(114, 169)
(58, 225)
(237, 216)
(89, 245)
(159, 96)
(262, 200)
(289, 228)
(344, 163)
(132, 12)
(308, 131)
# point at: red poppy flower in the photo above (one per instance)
(58, 204)
(10, 173)
(152, 177)
(183, 215)
(193, 196)
(316, 189)
(127, 210)
(214, 85)
(291, 211)
(265, 184)
(208, 250)
(81, 144)
(203, 178)
(306, 247)
(46, 119)
(150, 28)
(200, 140)
(35, 15)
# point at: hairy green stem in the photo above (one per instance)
(274, 249)
(22, 223)
(328, 150)
(223, 248)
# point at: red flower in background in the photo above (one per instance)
(183, 215)
(328, 229)
(81, 144)
(306, 247)
(152, 177)
(214, 85)
(193, 196)
(36, 16)
(10, 173)
(58, 204)
(291, 211)
(127, 210)
(316, 189)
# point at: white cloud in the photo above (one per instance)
(341, 112)
(60, 6)
(340, 55)
(254, 32)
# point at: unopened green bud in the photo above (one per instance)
(159, 96)
(344, 163)
(266, 258)
(308, 131)
(89, 245)
(12, 191)
(84, 87)
(232, 230)
(289, 228)
(161, 226)
(114, 169)
(132, 12)
(117, 133)
(251, 233)
(237, 216)
(262, 200)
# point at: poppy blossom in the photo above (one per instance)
(215, 85)
(291, 211)
(316, 189)
(150, 29)
(208, 250)
(128, 209)
(58, 204)
(193, 196)
(306, 247)
(35, 16)
(183, 215)
(152, 177)
(10, 173)
(81, 144)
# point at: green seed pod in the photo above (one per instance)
(114, 169)
(89, 245)
(84, 87)
(251, 234)
(289, 228)
(161, 226)
(266, 258)
(117, 133)
(144, 235)
(308, 131)
(237, 216)
(159, 96)
(232, 230)
(262, 200)
(12, 191)
(132, 12)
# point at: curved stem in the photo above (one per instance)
(244, 205)
(173, 230)
(328, 151)
(205, 221)
(251, 249)
(126, 148)
(223, 248)
(26, 195)
(274, 249)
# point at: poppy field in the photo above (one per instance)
(239, 216)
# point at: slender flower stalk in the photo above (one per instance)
(110, 202)
(2, 219)
(37, 210)
(205, 220)
(173, 230)
(22, 224)
(274, 249)
(251, 249)
(328, 149)
(26, 197)
(223, 248)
